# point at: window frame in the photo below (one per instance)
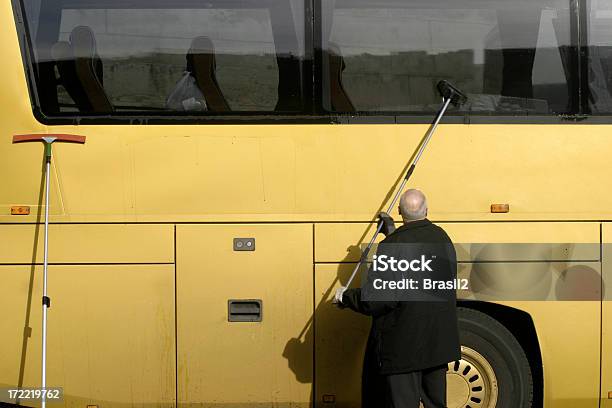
(312, 91)
(578, 96)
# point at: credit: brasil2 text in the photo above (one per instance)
(427, 284)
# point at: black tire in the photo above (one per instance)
(502, 351)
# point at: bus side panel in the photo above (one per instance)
(111, 322)
(88, 243)
(312, 172)
(340, 340)
(568, 333)
(244, 363)
(110, 333)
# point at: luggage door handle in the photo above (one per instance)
(244, 310)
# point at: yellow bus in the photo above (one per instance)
(237, 153)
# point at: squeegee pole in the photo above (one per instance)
(430, 132)
(48, 140)
(45, 301)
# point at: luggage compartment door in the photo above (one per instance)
(240, 310)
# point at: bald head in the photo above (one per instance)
(413, 205)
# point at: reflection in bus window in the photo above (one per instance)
(510, 56)
(143, 47)
(600, 56)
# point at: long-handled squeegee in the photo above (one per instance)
(450, 95)
(48, 140)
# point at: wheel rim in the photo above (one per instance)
(471, 381)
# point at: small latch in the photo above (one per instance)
(244, 244)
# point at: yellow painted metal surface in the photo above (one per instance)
(110, 337)
(606, 328)
(312, 172)
(244, 364)
(568, 333)
(340, 340)
(88, 243)
(341, 242)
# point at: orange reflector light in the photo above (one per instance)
(500, 208)
(609, 394)
(20, 210)
(329, 398)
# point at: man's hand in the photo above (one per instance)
(338, 296)
(388, 225)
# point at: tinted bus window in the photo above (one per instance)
(511, 57)
(600, 56)
(101, 57)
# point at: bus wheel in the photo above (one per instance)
(493, 370)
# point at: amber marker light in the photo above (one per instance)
(500, 208)
(20, 210)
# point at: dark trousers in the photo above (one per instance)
(408, 389)
(401, 390)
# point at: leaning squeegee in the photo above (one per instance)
(48, 140)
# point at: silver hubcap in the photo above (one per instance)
(471, 381)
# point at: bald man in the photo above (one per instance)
(414, 333)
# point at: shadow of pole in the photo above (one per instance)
(380, 208)
(302, 352)
(27, 330)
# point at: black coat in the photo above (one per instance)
(412, 335)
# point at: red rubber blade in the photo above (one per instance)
(58, 138)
